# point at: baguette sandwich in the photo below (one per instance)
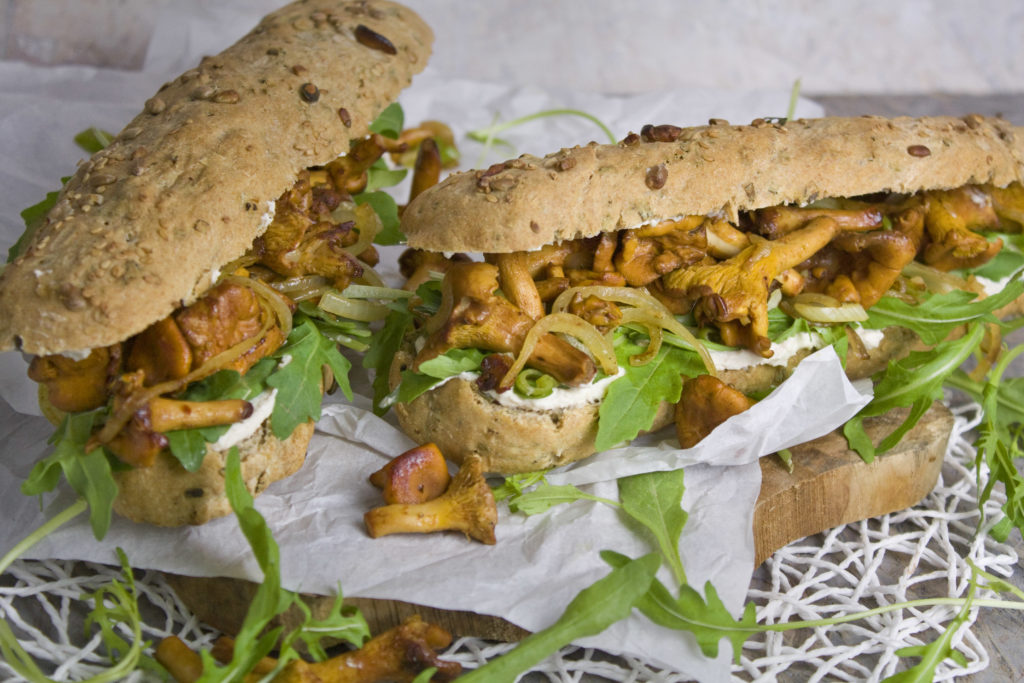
(167, 299)
(683, 273)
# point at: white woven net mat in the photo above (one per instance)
(912, 554)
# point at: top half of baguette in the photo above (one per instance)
(584, 191)
(143, 226)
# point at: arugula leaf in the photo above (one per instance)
(189, 445)
(433, 371)
(89, 474)
(379, 176)
(594, 609)
(453, 362)
(705, 617)
(93, 139)
(115, 607)
(298, 381)
(914, 381)
(384, 345)
(999, 442)
(631, 402)
(939, 314)
(516, 484)
(937, 651)
(254, 640)
(389, 122)
(387, 209)
(547, 496)
(341, 622)
(655, 499)
(1007, 260)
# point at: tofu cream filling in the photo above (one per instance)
(262, 407)
(738, 359)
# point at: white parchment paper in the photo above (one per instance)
(539, 563)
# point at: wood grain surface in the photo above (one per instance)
(828, 486)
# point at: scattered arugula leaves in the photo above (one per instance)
(655, 499)
(387, 209)
(89, 474)
(594, 609)
(254, 639)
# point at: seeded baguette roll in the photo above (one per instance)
(584, 191)
(144, 225)
(527, 203)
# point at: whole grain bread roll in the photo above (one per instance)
(720, 168)
(166, 494)
(144, 225)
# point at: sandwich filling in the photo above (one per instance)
(218, 367)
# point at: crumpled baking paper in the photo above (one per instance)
(539, 563)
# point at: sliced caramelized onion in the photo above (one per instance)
(369, 276)
(574, 326)
(935, 280)
(653, 325)
(822, 308)
(368, 224)
(303, 287)
(268, 297)
(375, 292)
(353, 309)
(640, 299)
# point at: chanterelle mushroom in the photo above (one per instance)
(736, 291)
(952, 216)
(467, 506)
(473, 316)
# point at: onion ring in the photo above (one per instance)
(566, 323)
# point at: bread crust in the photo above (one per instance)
(166, 494)
(584, 191)
(143, 226)
(462, 421)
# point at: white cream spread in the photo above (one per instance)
(739, 359)
(992, 287)
(268, 218)
(76, 355)
(262, 407)
(559, 398)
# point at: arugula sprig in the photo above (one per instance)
(489, 134)
(1000, 441)
(114, 607)
(255, 639)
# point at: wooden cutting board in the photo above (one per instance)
(829, 486)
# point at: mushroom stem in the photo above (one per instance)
(166, 414)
